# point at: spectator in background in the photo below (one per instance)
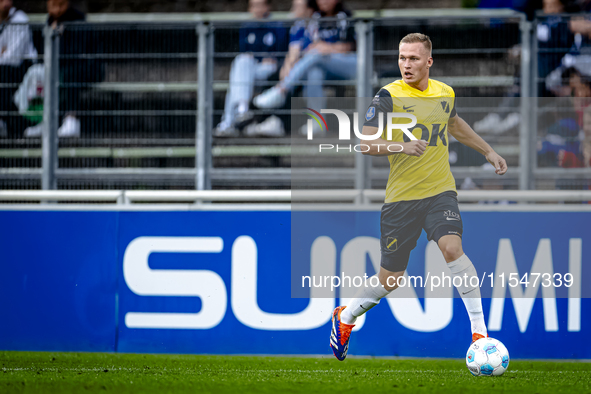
(563, 146)
(16, 55)
(485, 184)
(302, 11)
(248, 67)
(16, 44)
(586, 151)
(576, 151)
(59, 12)
(555, 38)
(329, 39)
(578, 57)
(578, 156)
(568, 141)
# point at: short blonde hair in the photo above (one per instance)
(413, 38)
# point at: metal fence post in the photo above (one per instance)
(203, 140)
(534, 73)
(364, 30)
(50, 108)
(527, 81)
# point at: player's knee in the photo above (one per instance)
(452, 251)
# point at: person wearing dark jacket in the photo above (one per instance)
(258, 40)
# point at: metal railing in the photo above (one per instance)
(347, 196)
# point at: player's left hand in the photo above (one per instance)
(498, 162)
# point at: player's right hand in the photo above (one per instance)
(414, 148)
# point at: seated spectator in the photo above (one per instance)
(485, 184)
(563, 145)
(580, 84)
(587, 137)
(555, 38)
(329, 39)
(302, 11)
(248, 67)
(16, 55)
(59, 12)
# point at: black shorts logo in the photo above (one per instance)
(392, 243)
(454, 232)
(451, 215)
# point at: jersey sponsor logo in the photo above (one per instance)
(392, 243)
(437, 133)
(371, 112)
(407, 108)
(445, 106)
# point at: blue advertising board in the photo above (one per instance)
(59, 280)
(222, 282)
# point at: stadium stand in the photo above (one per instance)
(139, 119)
(142, 114)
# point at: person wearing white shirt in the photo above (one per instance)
(16, 53)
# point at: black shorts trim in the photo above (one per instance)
(446, 229)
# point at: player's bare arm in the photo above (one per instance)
(464, 133)
(382, 147)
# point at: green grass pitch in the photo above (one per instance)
(45, 372)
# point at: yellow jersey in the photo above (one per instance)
(411, 177)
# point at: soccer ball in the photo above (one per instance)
(487, 357)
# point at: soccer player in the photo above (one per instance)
(421, 191)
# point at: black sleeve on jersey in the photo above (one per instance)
(453, 109)
(381, 103)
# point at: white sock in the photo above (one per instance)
(470, 294)
(366, 298)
